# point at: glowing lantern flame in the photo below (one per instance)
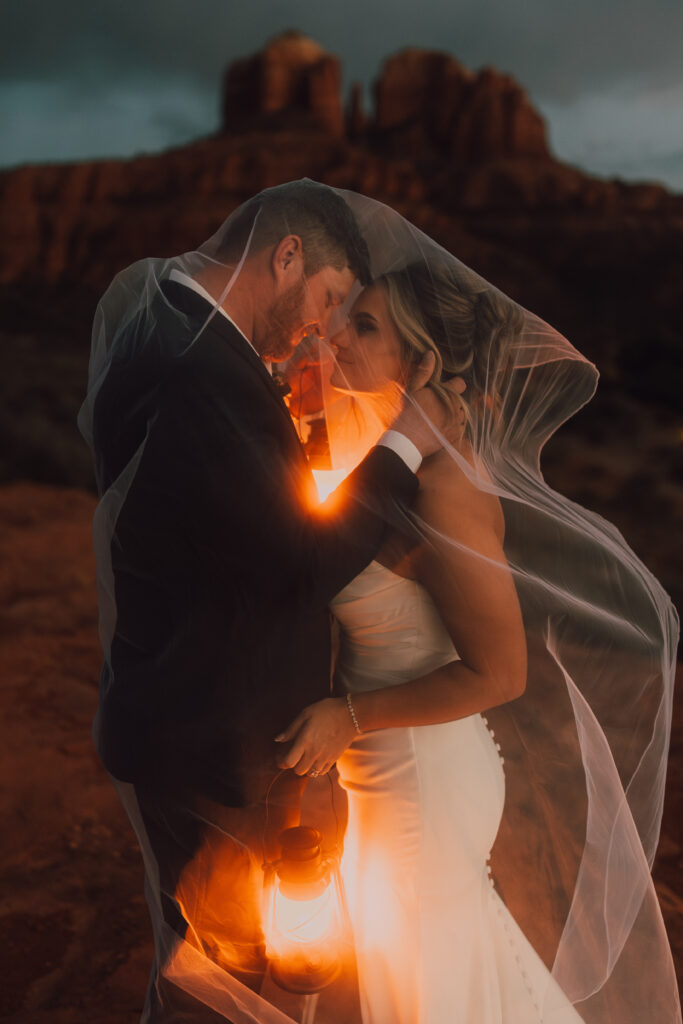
(303, 918)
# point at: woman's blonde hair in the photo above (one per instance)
(467, 330)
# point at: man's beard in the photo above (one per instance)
(284, 323)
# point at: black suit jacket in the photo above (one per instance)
(223, 571)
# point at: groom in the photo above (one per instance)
(222, 570)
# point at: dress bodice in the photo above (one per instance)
(391, 630)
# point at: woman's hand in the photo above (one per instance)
(424, 419)
(319, 735)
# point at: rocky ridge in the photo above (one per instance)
(461, 152)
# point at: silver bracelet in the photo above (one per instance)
(349, 704)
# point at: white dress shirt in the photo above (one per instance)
(394, 439)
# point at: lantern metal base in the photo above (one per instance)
(307, 981)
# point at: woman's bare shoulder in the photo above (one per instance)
(451, 496)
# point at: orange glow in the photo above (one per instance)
(326, 480)
(302, 921)
(305, 938)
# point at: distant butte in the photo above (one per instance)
(463, 154)
(293, 83)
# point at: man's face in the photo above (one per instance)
(305, 308)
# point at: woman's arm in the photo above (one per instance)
(464, 569)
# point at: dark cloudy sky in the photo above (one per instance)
(86, 78)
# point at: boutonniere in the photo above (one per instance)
(281, 383)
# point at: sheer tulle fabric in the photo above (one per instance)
(586, 745)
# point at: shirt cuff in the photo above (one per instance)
(404, 448)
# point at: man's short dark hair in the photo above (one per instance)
(316, 213)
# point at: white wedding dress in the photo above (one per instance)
(434, 942)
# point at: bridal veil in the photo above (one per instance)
(586, 745)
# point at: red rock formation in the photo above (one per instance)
(356, 120)
(292, 76)
(429, 101)
(444, 144)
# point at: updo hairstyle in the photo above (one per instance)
(468, 330)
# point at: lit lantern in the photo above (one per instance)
(304, 914)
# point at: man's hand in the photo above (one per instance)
(319, 735)
(424, 415)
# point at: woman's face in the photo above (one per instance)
(369, 351)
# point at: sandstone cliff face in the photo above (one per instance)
(476, 117)
(459, 153)
(428, 102)
(292, 76)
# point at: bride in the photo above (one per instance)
(432, 635)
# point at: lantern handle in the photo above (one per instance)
(337, 825)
